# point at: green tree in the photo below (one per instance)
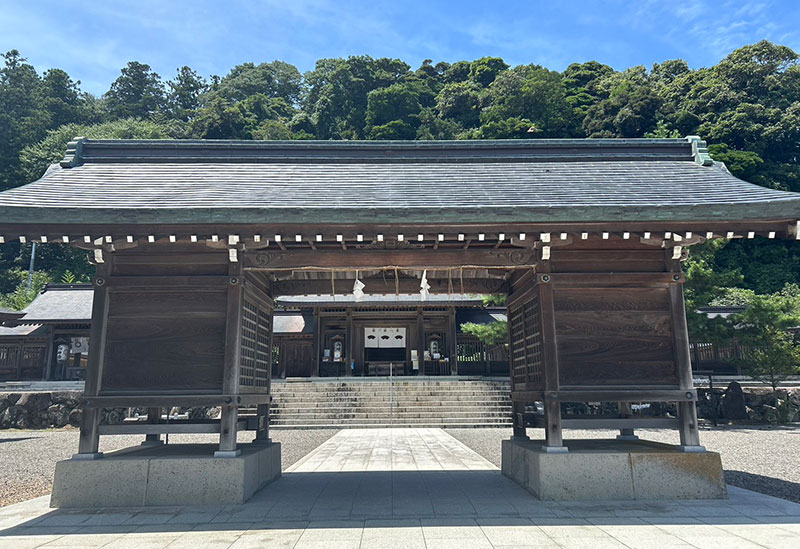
(184, 93)
(629, 108)
(29, 107)
(484, 71)
(392, 113)
(22, 296)
(136, 93)
(530, 92)
(773, 354)
(274, 80)
(338, 91)
(36, 158)
(773, 362)
(461, 103)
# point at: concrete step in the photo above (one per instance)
(387, 414)
(425, 409)
(416, 401)
(301, 426)
(419, 403)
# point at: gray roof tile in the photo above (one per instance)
(60, 303)
(160, 182)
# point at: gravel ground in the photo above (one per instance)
(763, 459)
(28, 458)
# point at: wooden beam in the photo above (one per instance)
(380, 259)
(609, 395)
(381, 286)
(178, 427)
(139, 400)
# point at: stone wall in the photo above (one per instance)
(40, 410)
(43, 410)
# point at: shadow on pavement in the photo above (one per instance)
(390, 499)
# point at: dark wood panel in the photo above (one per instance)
(632, 347)
(171, 256)
(181, 353)
(187, 269)
(168, 303)
(611, 324)
(380, 258)
(630, 266)
(619, 360)
(599, 373)
(627, 299)
(613, 280)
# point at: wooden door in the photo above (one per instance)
(298, 357)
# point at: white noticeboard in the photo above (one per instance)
(385, 338)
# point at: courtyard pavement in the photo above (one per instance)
(408, 488)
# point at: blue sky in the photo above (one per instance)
(93, 40)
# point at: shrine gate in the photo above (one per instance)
(193, 241)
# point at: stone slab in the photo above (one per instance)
(175, 474)
(613, 470)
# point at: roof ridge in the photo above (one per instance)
(82, 150)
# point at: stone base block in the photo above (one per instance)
(613, 470)
(173, 474)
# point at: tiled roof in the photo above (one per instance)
(19, 331)
(572, 180)
(8, 314)
(67, 303)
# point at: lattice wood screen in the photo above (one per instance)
(256, 353)
(525, 334)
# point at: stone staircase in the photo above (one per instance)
(409, 402)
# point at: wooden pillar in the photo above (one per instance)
(452, 341)
(518, 419)
(687, 410)
(348, 367)
(262, 428)
(47, 372)
(625, 412)
(317, 343)
(153, 418)
(420, 341)
(552, 408)
(230, 372)
(282, 360)
(89, 442)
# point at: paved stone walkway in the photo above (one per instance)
(408, 488)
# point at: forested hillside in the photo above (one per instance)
(747, 107)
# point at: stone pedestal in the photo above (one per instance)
(173, 474)
(613, 470)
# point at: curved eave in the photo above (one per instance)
(772, 210)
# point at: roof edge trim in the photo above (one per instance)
(73, 155)
(700, 150)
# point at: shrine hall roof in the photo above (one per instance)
(366, 182)
(60, 304)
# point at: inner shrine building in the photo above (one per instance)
(193, 240)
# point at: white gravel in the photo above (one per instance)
(28, 458)
(764, 459)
